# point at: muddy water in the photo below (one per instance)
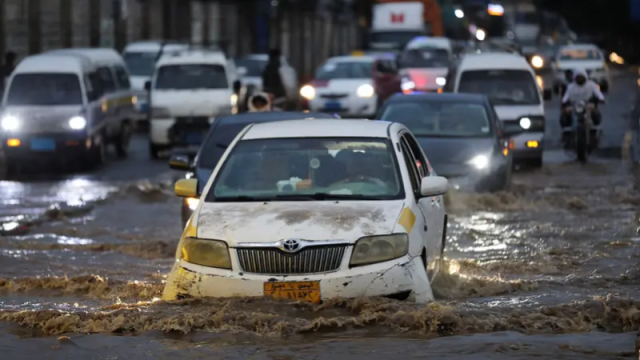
(548, 269)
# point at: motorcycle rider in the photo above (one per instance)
(272, 79)
(581, 89)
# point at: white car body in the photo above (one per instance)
(597, 69)
(344, 92)
(510, 114)
(167, 105)
(250, 226)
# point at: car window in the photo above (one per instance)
(503, 87)
(426, 57)
(45, 89)
(123, 77)
(579, 54)
(141, 63)
(96, 86)
(191, 77)
(345, 70)
(422, 163)
(107, 79)
(296, 168)
(253, 66)
(410, 162)
(440, 119)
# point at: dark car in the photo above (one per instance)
(460, 133)
(222, 132)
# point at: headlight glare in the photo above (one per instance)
(365, 91)
(407, 85)
(377, 249)
(308, 92)
(480, 162)
(537, 62)
(441, 81)
(525, 123)
(192, 203)
(10, 123)
(77, 123)
(234, 100)
(212, 253)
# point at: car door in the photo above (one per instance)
(127, 103)
(96, 115)
(433, 206)
(110, 108)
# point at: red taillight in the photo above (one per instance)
(320, 83)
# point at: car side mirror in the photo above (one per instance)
(237, 85)
(180, 162)
(547, 94)
(187, 188)
(434, 186)
(147, 85)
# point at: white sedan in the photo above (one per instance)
(313, 210)
(587, 57)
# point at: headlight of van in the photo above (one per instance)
(212, 253)
(159, 113)
(10, 123)
(377, 249)
(77, 123)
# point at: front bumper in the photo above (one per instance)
(351, 106)
(44, 148)
(529, 145)
(388, 278)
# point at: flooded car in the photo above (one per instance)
(462, 135)
(314, 210)
(221, 134)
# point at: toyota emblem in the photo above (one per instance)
(291, 245)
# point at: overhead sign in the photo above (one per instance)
(398, 16)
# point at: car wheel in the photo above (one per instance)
(123, 139)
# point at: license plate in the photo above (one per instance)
(305, 290)
(332, 105)
(43, 144)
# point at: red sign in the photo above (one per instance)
(397, 18)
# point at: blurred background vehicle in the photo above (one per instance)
(424, 64)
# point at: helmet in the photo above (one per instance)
(259, 102)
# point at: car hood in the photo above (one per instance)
(41, 119)
(308, 220)
(193, 102)
(445, 151)
(343, 86)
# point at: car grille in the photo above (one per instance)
(334, 96)
(276, 262)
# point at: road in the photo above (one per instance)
(548, 270)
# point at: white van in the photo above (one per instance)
(510, 83)
(424, 63)
(58, 107)
(188, 89)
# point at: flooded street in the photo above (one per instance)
(549, 269)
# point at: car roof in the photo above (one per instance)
(96, 55)
(154, 46)
(193, 56)
(344, 59)
(435, 41)
(53, 63)
(494, 61)
(444, 97)
(319, 128)
(260, 117)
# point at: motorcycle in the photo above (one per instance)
(583, 135)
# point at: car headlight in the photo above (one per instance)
(212, 253)
(234, 99)
(480, 35)
(525, 123)
(10, 123)
(157, 112)
(441, 81)
(365, 91)
(537, 62)
(480, 162)
(192, 203)
(308, 92)
(376, 249)
(407, 84)
(77, 123)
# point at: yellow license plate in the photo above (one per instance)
(304, 290)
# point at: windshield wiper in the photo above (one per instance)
(324, 196)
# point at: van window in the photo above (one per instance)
(94, 87)
(191, 76)
(106, 77)
(503, 87)
(45, 89)
(141, 63)
(426, 57)
(123, 77)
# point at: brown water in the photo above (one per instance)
(549, 269)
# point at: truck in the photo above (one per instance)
(396, 22)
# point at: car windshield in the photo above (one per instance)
(425, 58)
(45, 89)
(191, 77)
(504, 87)
(141, 63)
(394, 37)
(253, 67)
(299, 169)
(345, 70)
(579, 54)
(440, 119)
